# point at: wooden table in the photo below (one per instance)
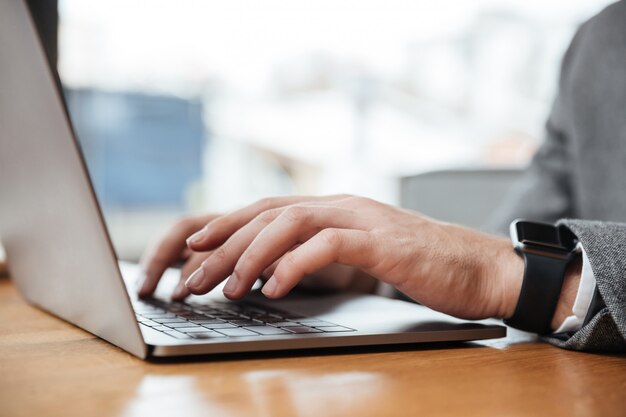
(49, 368)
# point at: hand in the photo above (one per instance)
(446, 267)
(172, 249)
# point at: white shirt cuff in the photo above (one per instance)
(583, 298)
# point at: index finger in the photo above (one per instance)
(167, 251)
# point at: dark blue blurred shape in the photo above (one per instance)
(142, 150)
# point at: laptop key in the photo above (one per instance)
(191, 329)
(268, 319)
(207, 335)
(192, 316)
(208, 321)
(303, 329)
(179, 324)
(205, 309)
(148, 322)
(226, 317)
(237, 332)
(269, 330)
(335, 329)
(315, 323)
(177, 310)
(170, 320)
(285, 324)
(219, 326)
(159, 315)
(243, 322)
(161, 328)
(177, 335)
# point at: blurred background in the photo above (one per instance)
(190, 106)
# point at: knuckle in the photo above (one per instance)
(289, 263)
(267, 216)
(352, 201)
(368, 249)
(219, 255)
(248, 258)
(331, 237)
(296, 213)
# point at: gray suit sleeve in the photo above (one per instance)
(605, 245)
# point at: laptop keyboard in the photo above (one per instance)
(223, 319)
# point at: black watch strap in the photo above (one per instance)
(541, 289)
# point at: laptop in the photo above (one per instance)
(61, 258)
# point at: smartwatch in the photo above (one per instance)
(547, 251)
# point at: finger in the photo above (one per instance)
(220, 229)
(167, 251)
(192, 263)
(221, 261)
(180, 292)
(295, 224)
(349, 247)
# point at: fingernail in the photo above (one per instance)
(270, 287)
(196, 237)
(180, 291)
(231, 284)
(195, 279)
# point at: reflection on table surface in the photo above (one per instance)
(48, 367)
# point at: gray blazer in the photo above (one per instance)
(580, 170)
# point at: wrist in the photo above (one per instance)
(510, 275)
(569, 291)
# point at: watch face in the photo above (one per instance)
(545, 235)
